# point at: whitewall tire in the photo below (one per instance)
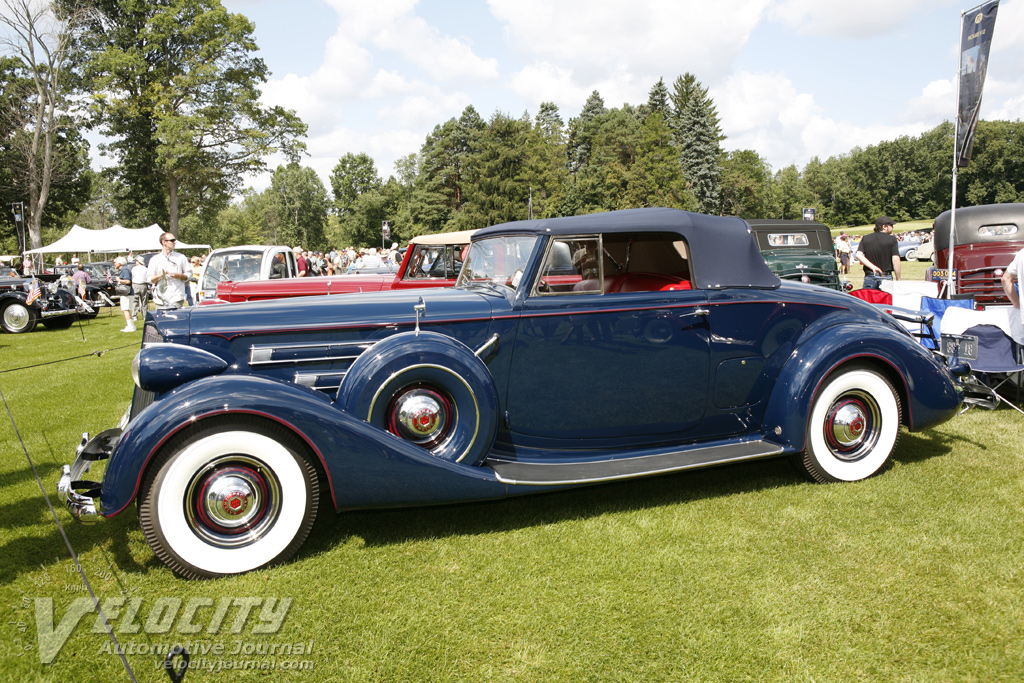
(853, 426)
(228, 499)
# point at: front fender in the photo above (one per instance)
(929, 392)
(364, 465)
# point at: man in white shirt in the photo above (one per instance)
(1011, 285)
(168, 274)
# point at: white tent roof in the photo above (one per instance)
(114, 239)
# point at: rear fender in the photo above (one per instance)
(928, 392)
(361, 463)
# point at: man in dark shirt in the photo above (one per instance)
(880, 254)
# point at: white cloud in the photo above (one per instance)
(845, 19)
(937, 102)
(442, 57)
(423, 109)
(766, 113)
(594, 38)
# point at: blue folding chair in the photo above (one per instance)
(937, 307)
(998, 362)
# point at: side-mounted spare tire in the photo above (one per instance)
(428, 389)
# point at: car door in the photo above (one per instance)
(593, 363)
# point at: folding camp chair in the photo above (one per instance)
(982, 338)
(937, 307)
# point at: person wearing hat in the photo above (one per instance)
(300, 262)
(880, 254)
(843, 249)
(124, 279)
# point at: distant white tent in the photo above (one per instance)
(114, 239)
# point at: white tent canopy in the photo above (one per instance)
(114, 239)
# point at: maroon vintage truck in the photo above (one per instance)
(985, 241)
(430, 261)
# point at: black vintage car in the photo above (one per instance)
(21, 309)
(798, 250)
(102, 281)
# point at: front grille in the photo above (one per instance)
(150, 335)
(141, 399)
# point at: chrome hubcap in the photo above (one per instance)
(421, 415)
(233, 501)
(851, 429)
(16, 316)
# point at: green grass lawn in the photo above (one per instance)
(736, 573)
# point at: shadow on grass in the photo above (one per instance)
(111, 547)
(386, 527)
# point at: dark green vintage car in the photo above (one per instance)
(798, 250)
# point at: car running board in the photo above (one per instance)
(657, 461)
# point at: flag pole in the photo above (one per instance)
(950, 282)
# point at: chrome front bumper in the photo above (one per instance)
(80, 494)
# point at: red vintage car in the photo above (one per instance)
(985, 241)
(430, 261)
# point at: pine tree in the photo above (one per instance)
(581, 132)
(657, 100)
(698, 135)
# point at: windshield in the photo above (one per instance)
(235, 266)
(499, 260)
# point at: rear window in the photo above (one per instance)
(788, 239)
(996, 230)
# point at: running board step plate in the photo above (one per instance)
(581, 472)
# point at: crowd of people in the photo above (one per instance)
(877, 252)
(341, 261)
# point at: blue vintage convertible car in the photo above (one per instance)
(572, 351)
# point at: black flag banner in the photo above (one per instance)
(975, 41)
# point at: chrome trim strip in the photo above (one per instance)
(264, 354)
(548, 474)
(309, 379)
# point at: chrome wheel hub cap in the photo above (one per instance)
(233, 501)
(852, 427)
(421, 415)
(16, 316)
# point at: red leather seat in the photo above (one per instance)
(643, 282)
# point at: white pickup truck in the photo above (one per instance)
(241, 264)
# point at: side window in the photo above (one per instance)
(426, 262)
(572, 266)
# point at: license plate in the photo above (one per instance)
(967, 343)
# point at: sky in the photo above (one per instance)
(791, 79)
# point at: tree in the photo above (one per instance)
(581, 132)
(698, 135)
(658, 100)
(790, 195)
(746, 184)
(299, 199)
(354, 174)
(499, 188)
(547, 171)
(176, 86)
(40, 36)
(440, 185)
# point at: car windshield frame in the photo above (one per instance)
(481, 265)
(220, 264)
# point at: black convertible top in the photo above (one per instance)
(722, 250)
(970, 219)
